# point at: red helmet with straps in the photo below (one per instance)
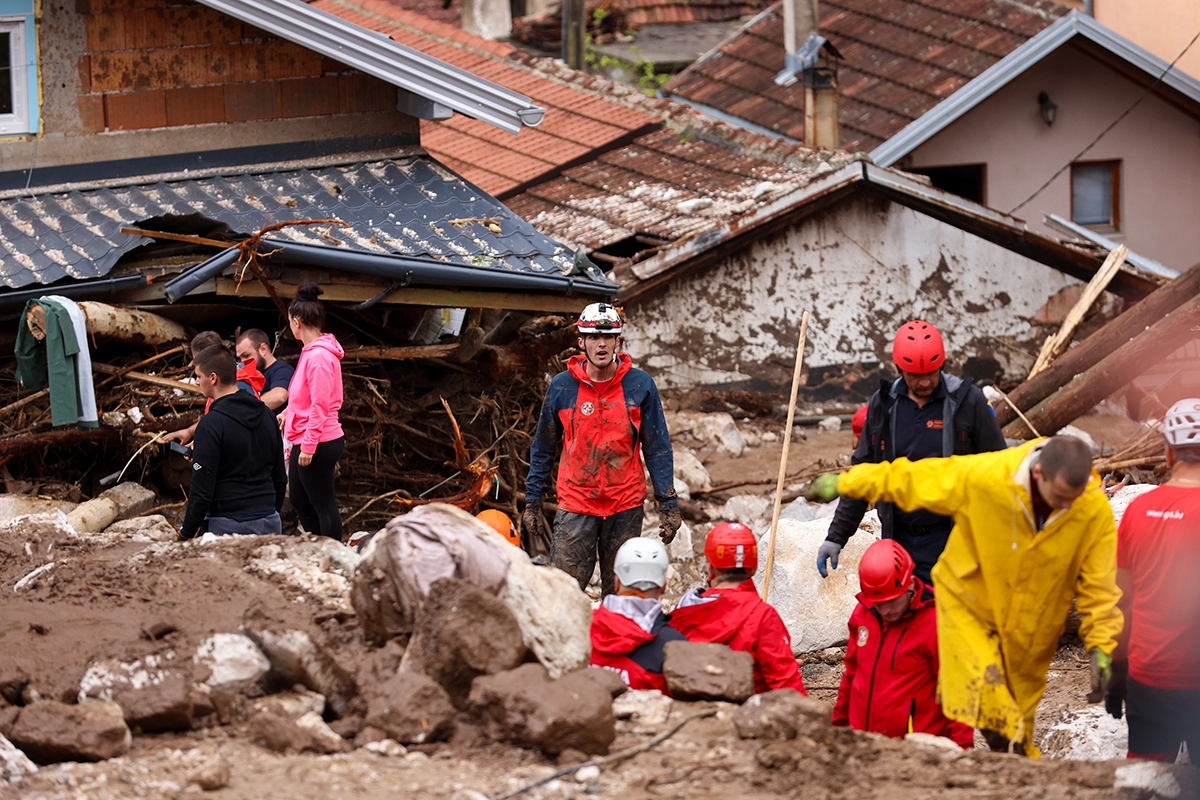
(731, 545)
(918, 347)
(885, 572)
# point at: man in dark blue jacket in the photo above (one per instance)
(601, 409)
(925, 413)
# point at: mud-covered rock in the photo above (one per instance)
(780, 714)
(278, 734)
(211, 775)
(293, 704)
(233, 661)
(13, 680)
(324, 738)
(14, 764)
(466, 632)
(689, 469)
(525, 707)
(643, 707)
(154, 692)
(410, 708)
(50, 731)
(696, 671)
(295, 658)
(554, 613)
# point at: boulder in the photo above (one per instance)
(278, 734)
(410, 708)
(234, 661)
(802, 511)
(781, 714)
(14, 764)
(689, 469)
(554, 614)
(699, 671)
(719, 429)
(525, 707)
(211, 775)
(813, 608)
(324, 738)
(752, 510)
(296, 659)
(154, 693)
(465, 632)
(1126, 495)
(50, 731)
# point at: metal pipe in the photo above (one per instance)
(407, 269)
(85, 289)
(1089, 7)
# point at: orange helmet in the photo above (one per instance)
(731, 545)
(885, 571)
(918, 347)
(501, 524)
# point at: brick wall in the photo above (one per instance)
(165, 63)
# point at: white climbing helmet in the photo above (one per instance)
(642, 564)
(1181, 426)
(599, 318)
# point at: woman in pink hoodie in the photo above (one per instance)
(311, 420)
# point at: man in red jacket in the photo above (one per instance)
(629, 629)
(890, 682)
(730, 612)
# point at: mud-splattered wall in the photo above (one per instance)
(862, 268)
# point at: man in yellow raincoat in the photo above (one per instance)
(1032, 530)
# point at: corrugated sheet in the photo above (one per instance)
(411, 206)
(902, 58)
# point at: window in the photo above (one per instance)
(14, 85)
(1096, 194)
(967, 180)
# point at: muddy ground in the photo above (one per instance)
(128, 597)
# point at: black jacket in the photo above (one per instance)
(237, 462)
(970, 427)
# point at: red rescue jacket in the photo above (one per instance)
(738, 618)
(628, 636)
(247, 373)
(890, 682)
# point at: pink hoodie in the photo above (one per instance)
(315, 395)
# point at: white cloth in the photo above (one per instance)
(83, 360)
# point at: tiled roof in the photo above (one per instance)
(902, 57)
(407, 205)
(677, 183)
(579, 117)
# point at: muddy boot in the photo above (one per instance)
(999, 743)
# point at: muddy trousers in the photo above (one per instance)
(311, 489)
(578, 538)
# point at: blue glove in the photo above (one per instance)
(828, 551)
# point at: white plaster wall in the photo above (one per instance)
(739, 320)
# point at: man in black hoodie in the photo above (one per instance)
(238, 480)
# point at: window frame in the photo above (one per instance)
(1114, 217)
(18, 123)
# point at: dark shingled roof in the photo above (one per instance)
(409, 206)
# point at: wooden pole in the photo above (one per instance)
(783, 457)
(1056, 343)
(123, 324)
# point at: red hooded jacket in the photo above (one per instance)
(628, 636)
(891, 675)
(739, 618)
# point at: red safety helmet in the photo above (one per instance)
(918, 347)
(731, 545)
(858, 422)
(885, 572)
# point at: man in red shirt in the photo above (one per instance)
(890, 682)
(629, 629)
(1156, 668)
(730, 612)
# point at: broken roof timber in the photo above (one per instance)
(379, 55)
(994, 226)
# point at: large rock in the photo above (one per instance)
(296, 659)
(292, 705)
(554, 614)
(719, 429)
(154, 692)
(465, 632)
(410, 708)
(802, 511)
(234, 662)
(14, 764)
(813, 608)
(752, 510)
(525, 707)
(697, 671)
(689, 469)
(50, 731)
(285, 735)
(1126, 495)
(781, 714)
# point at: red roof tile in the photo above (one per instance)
(902, 57)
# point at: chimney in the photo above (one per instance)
(821, 104)
(800, 21)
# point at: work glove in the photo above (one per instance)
(535, 522)
(824, 489)
(1101, 675)
(827, 552)
(670, 524)
(1114, 698)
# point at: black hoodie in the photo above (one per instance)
(237, 462)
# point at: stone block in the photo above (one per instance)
(697, 671)
(49, 731)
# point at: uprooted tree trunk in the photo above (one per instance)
(1109, 374)
(113, 322)
(1086, 354)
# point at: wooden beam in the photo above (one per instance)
(109, 369)
(399, 353)
(438, 298)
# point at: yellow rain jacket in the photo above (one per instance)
(1004, 589)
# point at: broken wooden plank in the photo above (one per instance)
(154, 380)
(1057, 342)
(20, 443)
(24, 401)
(1086, 354)
(400, 353)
